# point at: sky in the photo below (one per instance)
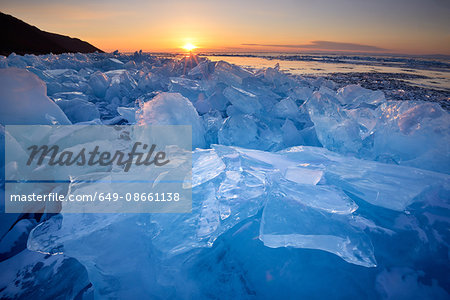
(383, 26)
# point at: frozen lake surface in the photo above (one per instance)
(430, 72)
(413, 78)
(331, 181)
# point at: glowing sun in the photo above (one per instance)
(189, 47)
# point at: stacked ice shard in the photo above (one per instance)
(298, 188)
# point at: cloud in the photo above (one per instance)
(325, 45)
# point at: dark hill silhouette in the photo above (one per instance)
(22, 38)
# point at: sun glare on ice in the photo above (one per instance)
(189, 47)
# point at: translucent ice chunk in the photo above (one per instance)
(189, 88)
(99, 82)
(367, 120)
(414, 134)
(389, 186)
(92, 240)
(214, 211)
(310, 219)
(355, 95)
(240, 130)
(349, 93)
(335, 130)
(128, 113)
(230, 74)
(244, 101)
(203, 70)
(78, 110)
(24, 101)
(385, 185)
(206, 165)
(122, 84)
(173, 109)
(291, 135)
(241, 194)
(218, 101)
(303, 175)
(286, 108)
(212, 123)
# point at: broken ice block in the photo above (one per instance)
(173, 109)
(310, 219)
(24, 101)
(244, 101)
(99, 83)
(230, 74)
(78, 110)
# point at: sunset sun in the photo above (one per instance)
(189, 47)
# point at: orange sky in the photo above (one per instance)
(402, 26)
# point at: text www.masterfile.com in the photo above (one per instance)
(97, 196)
